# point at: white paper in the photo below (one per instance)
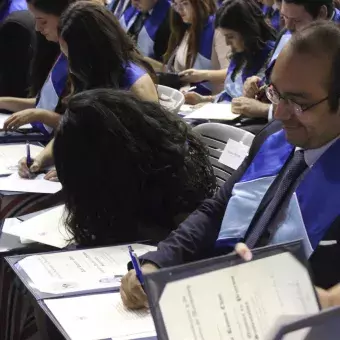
(35, 185)
(100, 316)
(233, 154)
(80, 270)
(47, 228)
(10, 154)
(214, 112)
(239, 302)
(4, 117)
(9, 223)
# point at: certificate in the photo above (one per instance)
(79, 270)
(238, 302)
(100, 316)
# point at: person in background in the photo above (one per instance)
(271, 12)
(100, 55)
(328, 298)
(251, 40)
(41, 111)
(288, 187)
(17, 46)
(118, 7)
(296, 15)
(147, 22)
(9, 6)
(130, 170)
(193, 43)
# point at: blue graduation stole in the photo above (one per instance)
(146, 37)
(312, 208)
(259, 62)
(336, 16)
(52, 90)
(203, 58)
(12, 6)
(273, 15)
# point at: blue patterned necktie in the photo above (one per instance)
(294, 169)
(119, 10)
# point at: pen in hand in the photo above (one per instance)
(136, 265)
(29, 161)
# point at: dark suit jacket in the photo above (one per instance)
(17, 45)
(195, 238)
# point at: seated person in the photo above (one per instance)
(118, 7)
(130, 170)
(271, 11)
(296, 14)
(192, 43)
(100, 55)
(9, 6)
(288, 187)
(147, 22)
(41, 111)
(251, 40)
(17, 46)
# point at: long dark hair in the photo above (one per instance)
(98, 48)
(46, 52)
(125, 164)
(201, 10)
(246, 18)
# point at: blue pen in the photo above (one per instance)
(136, 265)
(28, 155)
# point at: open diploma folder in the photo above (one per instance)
(227, 298)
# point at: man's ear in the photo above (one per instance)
(323, 13)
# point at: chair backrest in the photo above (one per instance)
(216, 136)
(176, 98)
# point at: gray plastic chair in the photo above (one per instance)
(216, 136)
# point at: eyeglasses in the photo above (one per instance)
(275, 97)
(180, 6)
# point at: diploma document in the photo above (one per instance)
(227, 298)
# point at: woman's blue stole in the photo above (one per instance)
(52, 91)
(12, 6)
(203, 58)
(258, 62)
(312, 208)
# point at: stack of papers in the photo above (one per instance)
(47, 228)
(4, 117)
(100, 316)
(35, 185)
(213, 112)
(10, 154)
(80, 270)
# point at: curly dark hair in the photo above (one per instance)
(127, 167)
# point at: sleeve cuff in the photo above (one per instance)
(270, 113)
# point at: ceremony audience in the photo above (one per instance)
(251, 40)
(44, 110)
(296, 14)
(288, 186)
(85, 76)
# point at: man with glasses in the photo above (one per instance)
(288, 187)
(296, 14)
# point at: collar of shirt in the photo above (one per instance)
(312, 155)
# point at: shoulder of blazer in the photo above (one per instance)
(268, 130)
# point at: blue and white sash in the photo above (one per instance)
(311, 210)
(52, 91)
